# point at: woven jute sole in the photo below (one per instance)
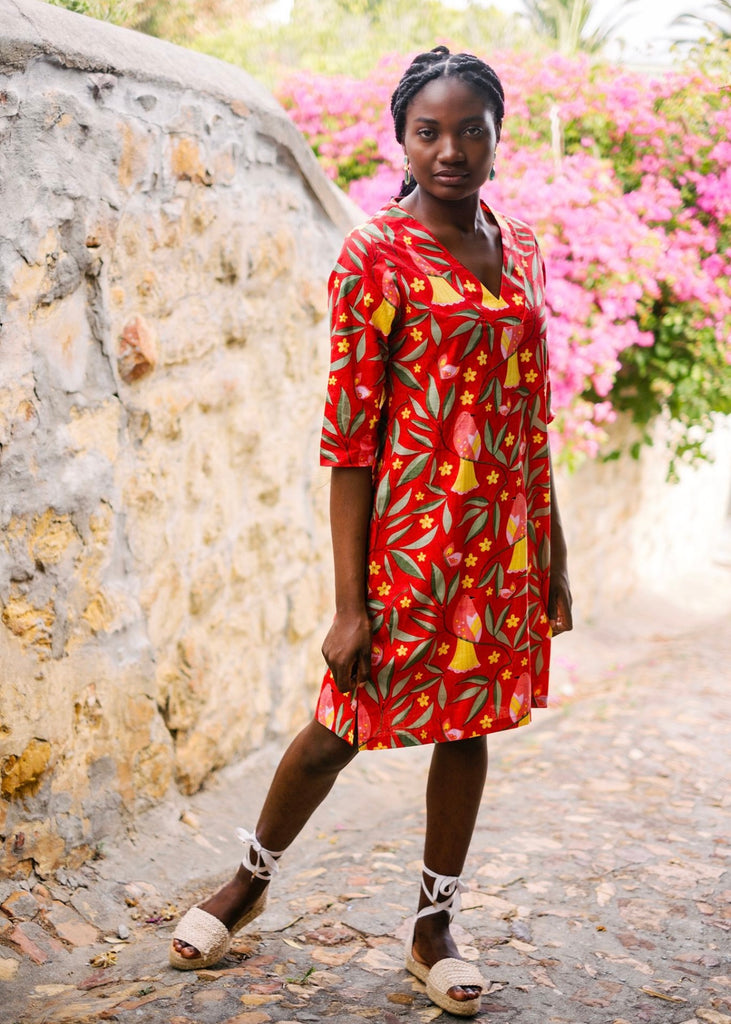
(208, 935)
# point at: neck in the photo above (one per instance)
(463, 215)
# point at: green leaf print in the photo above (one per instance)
(489, 440)
(415, 468)
(340, 363)
(407, 563)
(432, 398)
(478, 704)
(418, 652)
(497, 696)
(424, 439)
(385, 676)
(400, 505)
(405, 376)
(468, 693)
(398, 718)
(407, 739)
(417, 352)
(356, 259)
(474, 340)
(544, 554)
(489, 620)
(360, 349)
(424, 623)
(422, 541)
(424, 718)
(442, 695)
(453, 588)
(478, 526)
(446, 519)
(438, 584)
(383, 495)
(377, 622)
(449, 401)
(343, 412)
(357, 421)
(465, 326)
(348, 283)
(435, 331)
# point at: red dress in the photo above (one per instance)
(443, 389)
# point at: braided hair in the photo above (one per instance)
(438, 63)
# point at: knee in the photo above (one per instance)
(324, 753)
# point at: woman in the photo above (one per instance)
(450, 561)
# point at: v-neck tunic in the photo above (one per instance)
(442, 388)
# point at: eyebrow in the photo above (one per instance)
(465, 120)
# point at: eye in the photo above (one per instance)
(475, 131)
(426, 133)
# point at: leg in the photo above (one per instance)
(305, 776)
(454, 789)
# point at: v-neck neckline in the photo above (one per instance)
(501, 228)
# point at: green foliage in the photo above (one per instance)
(565, 24)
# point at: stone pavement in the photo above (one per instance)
(599, 884)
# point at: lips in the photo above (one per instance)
(450, 177)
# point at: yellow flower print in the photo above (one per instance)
(506, 673)
(423, 734)
(384, 589)
(488, 406)
(418, 285)
(423, 700)
(489, 592)
(492, 477)
(398, 463)
(343, 346)
(380, 746)
(470, 287)
(443, 649)
(419, 495)
(332, 379)
(446, 467)
(525, 356)
(485, 544)
(405, 602)
(494, 657)
(418, 676)
(467, 398)
(406, 414)
(518, 299)
(374, 568)
(343, 318)
(417, 367)
(531, 376)
(482, 358)
(469, 375)
(486, 722)
(367, 299)
(538, 437)
(416, 334)
(503, 495)
(470, 560)
(407, 239)
(401, 650)
(512, 622)
(509, 438)
(421, 557)
(547, 497)
(426, 522)
(350, 737)
(468, 581)
(372, 422)
(524, 662)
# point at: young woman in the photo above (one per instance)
(450, 561)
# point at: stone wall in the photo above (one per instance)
(164, 557)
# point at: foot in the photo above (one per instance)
(229, 905)
(433, 942)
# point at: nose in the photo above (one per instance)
(451, 150)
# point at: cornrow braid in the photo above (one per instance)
(438, 63)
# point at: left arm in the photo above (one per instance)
(559, 593)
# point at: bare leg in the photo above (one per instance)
(454, 789)
(304, 777)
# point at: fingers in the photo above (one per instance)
(559, 613)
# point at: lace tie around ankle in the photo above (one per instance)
(262, 863)
(443, 893)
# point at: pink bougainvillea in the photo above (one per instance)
(625, 179)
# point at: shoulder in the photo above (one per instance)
(377, 237)
(519, 232)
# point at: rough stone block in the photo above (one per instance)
(137, 350)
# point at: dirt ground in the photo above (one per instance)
(599, 873)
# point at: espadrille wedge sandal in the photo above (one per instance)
(443, 895)
(205, 932)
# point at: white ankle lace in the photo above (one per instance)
(260, 862)
(443, 894)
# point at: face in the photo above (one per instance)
(450, 139)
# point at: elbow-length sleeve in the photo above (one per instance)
(363, 304)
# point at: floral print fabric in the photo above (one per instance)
(442, 388)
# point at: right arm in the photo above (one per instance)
(347, 646)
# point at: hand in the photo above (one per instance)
(559, 602)
(347, 650)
